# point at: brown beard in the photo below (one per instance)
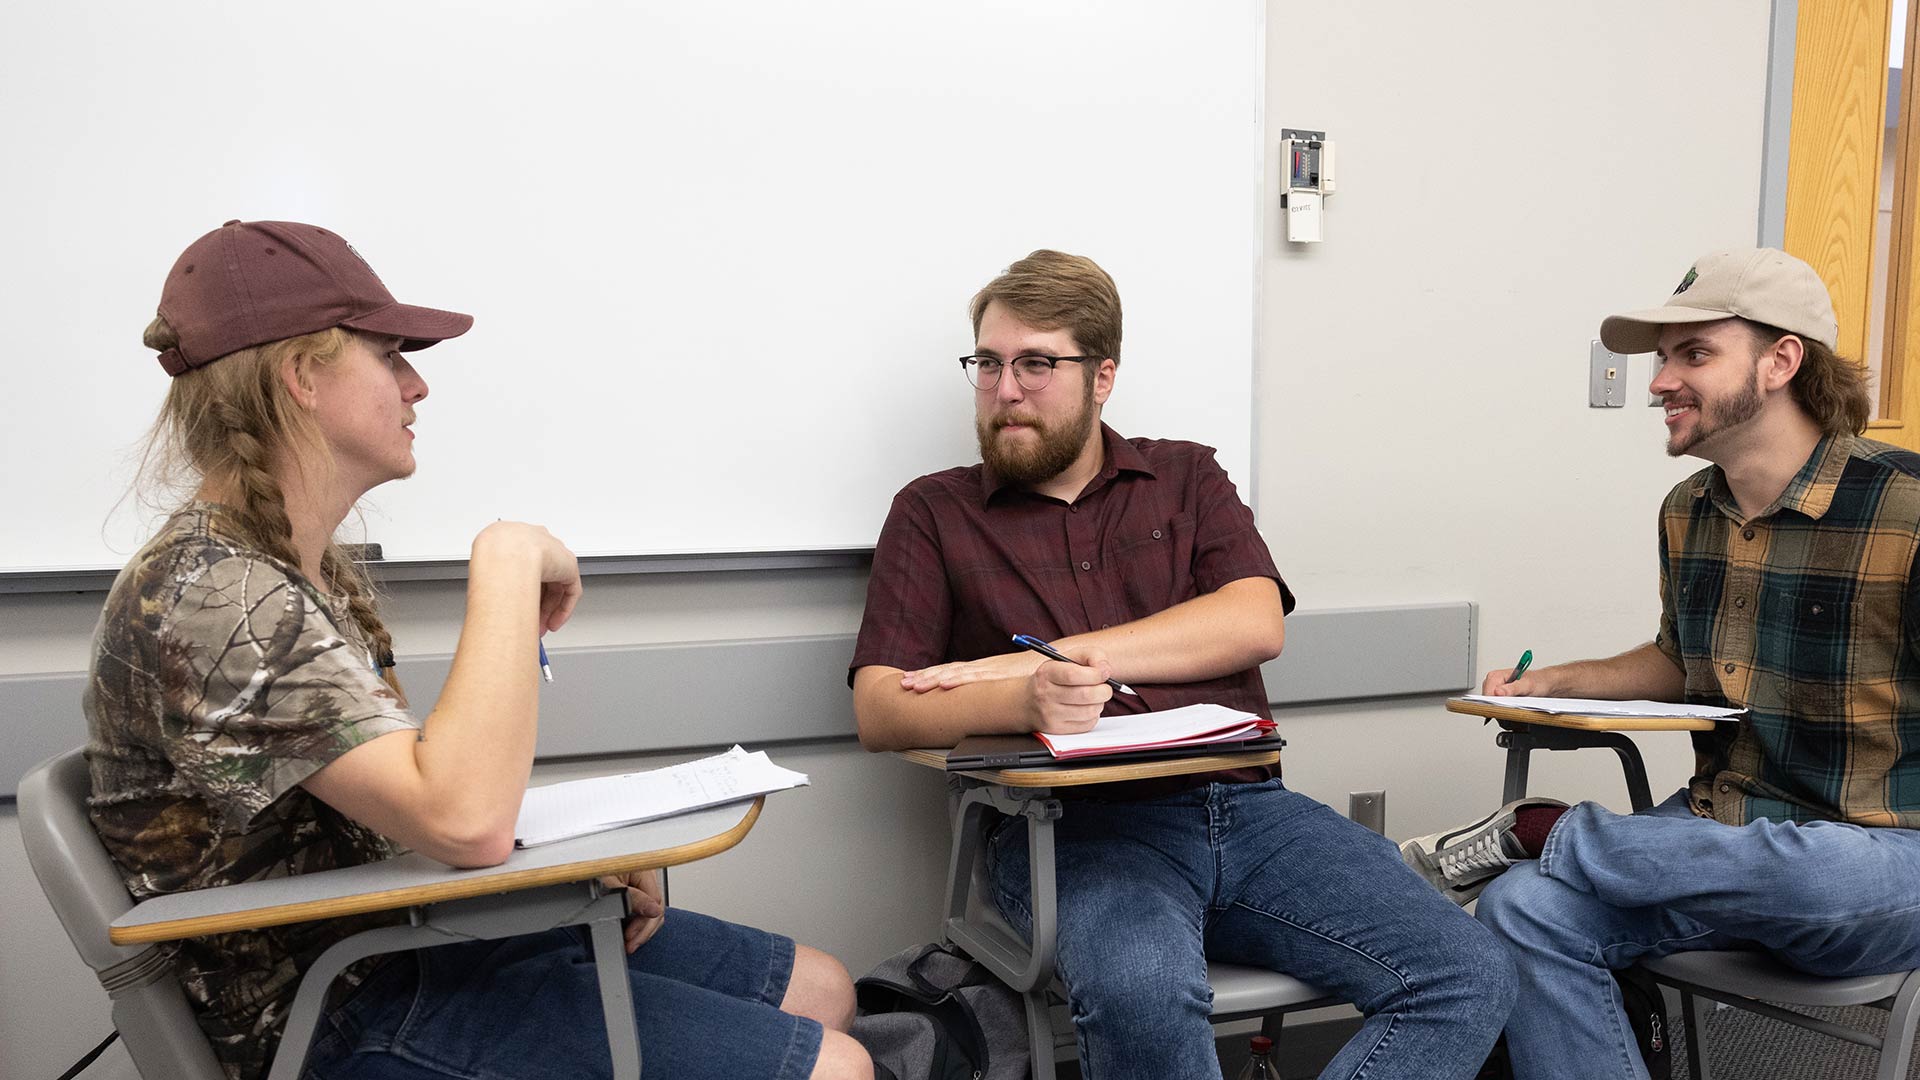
(1057, 449)
(1721, 415)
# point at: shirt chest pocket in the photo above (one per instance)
(1807, 634)
(1154, 565)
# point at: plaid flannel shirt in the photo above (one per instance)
(1804, 615)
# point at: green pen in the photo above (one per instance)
(1519, 669)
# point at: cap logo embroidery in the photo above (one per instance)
(363, 261)
(1685, 282)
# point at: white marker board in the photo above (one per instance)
(719, 254)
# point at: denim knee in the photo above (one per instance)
(1493, 982)
(1512, 904)
(1136, 986)
(1520, 908)
(1470, 978)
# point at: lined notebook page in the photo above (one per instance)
(1168, 727)
(1600, 707)
(596, 804)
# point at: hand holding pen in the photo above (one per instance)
(1026, 641)
(1503, 683)
(1068, 695)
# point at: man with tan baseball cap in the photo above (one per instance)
(1789, 592)
(1762, 285)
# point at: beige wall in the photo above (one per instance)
(1509, 173)
(1505, 181)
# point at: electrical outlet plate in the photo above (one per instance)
(1368, 808)
(1606, 378)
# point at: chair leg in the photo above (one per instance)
(616, 996)
(1896, 1049)
(1697, 1008)
(1272, 1024)
(1039, 1032)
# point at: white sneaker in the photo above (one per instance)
(1460, 862)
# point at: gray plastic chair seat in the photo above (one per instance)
(1757, 983)
(1250, 991)
(1757, 975)
(1238, 991)
(1238, 994)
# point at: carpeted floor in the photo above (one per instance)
(1742, 1046)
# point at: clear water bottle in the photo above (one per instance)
(1260, 1063)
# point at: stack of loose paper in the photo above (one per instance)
(1594, 707)
(1193, 725)
(598, 804)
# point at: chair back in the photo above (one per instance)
(87, 893)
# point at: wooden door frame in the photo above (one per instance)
(1833, 164)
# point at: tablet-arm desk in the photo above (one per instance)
(1524, 730)
(534, 890)
(1029, 792)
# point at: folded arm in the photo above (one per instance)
(892, 717)
(1235, 627)
(1056, 697)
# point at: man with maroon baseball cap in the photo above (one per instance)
(1790, 591)
(245, 721)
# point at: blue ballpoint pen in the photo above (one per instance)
(1027, 642)
(546, 669)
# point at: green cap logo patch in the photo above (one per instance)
(1687, 281)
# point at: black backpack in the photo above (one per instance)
(930, 1013)
(1646, 1013)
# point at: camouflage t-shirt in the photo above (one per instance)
(221, 679)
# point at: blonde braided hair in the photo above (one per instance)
(226, 424)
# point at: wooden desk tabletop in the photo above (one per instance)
(415, 879)
(1071, 775)
(1579, 723)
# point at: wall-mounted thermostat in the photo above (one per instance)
(1308, 159)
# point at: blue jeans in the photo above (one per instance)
(1253, 874)
(1607, 890)
(705, 998)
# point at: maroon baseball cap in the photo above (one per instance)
(250, 282)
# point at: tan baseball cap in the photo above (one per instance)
(1763, 285)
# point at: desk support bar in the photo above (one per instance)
(616, 989)
(1026, 967)
(484, 918)
(1023, 966)
(1521, 740)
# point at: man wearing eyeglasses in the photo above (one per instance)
(1138, 559)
